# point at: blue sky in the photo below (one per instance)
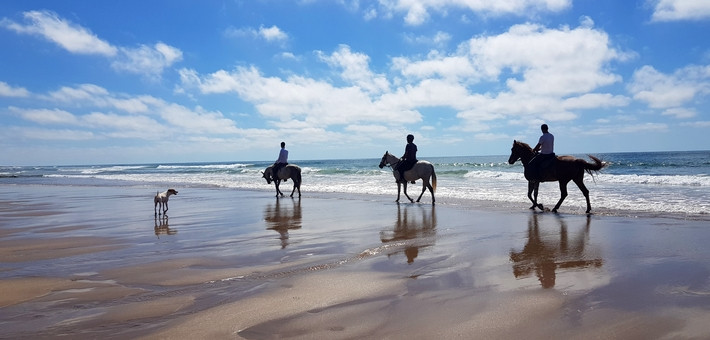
(191, 81)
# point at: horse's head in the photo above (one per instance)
(514, 155)
(383, 161)
(266, 174)
(521, 151)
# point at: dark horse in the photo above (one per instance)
(290, 171)
(563, 169)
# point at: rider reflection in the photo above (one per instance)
(283, 218)
(543, 255)
(413, 233)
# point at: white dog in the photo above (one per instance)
(162, 199)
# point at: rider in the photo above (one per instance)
(546, 147)
(408, 159)
(282, 161)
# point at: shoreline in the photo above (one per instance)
(94, 262)
(568, 207)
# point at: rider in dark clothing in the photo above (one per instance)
(408, 159)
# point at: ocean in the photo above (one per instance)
(675, 184)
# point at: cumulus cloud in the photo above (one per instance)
(316, 102)
(664, 91)
(356, 69)
(541, 72)
(675, 10)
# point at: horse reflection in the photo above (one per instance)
(281, 217)
(162, 227)
(412, 232)
(543, 256)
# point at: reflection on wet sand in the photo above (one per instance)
(543, 254)
(162, 227)
(283, 218)
(417, 233)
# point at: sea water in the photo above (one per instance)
(660, 183)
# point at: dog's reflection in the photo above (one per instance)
(283, 217)
(162, 227)
(413, 232)
(543, 254)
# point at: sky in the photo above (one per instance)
(123, 82)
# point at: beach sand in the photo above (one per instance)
(93, 262)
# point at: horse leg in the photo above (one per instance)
(532, 188)
(405, 191)
(585, 192)
(537, 188)
(424, 185)
(399, 189)
(563, 195)
(278, 191)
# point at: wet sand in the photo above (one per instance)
(93, 262)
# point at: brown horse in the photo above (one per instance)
(289, 171)
(563, 169)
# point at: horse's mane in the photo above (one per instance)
(523, 144)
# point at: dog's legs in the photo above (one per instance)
(166, 208)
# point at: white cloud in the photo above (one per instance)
(680, 112)
(318, 103)
(541, 72)
(8, 91)
(56, 134)
(147, 60)
(269, 34)
(356, 69)
(675, 10)
(69, 36)
(551, 61)
(272, 33)
(698, 124)
(663, 91)
(418, 12)
(46, 116)
(131, 116)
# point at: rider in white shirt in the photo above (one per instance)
(546, 147)
(282, 161)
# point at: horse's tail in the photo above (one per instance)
(592, 168)
(297, 177)
(433, 178)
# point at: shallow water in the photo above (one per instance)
(219, 246)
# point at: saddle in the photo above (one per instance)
(539, 166)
